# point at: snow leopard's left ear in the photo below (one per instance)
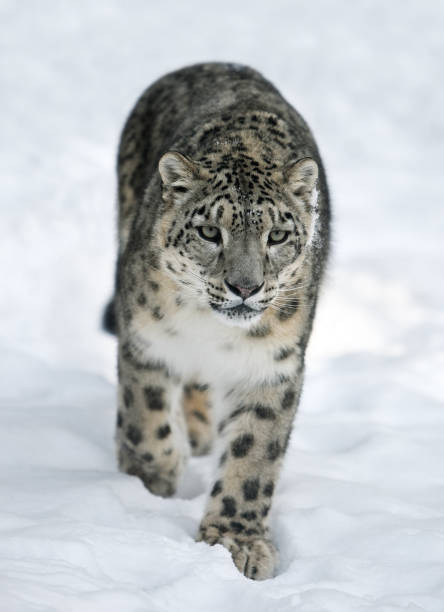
(301, 177)
(178, 172)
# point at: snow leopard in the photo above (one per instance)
(223, 237)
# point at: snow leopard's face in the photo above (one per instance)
(235, 237)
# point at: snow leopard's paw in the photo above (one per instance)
(254, 556)
(159, 479)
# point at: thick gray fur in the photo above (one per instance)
(223, 240)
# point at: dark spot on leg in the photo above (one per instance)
(269, 488)
(223, 458)
(236, 526)
(128, 397)
(242, 444)
(141, 299)
(154, 397)
(217, 488)
(199, 416)
(147, 457)
(265, 510)
(250, 489)
(126, 353)
(288, 399)
(219, 526)
(273, 450)
(249, 516)
(264, 412)
(231, 417)
(252, 531)
(119, 420)
(133, 434)
(229, 506)
(163, 431)
(241, 410)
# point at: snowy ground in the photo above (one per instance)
(359, 511)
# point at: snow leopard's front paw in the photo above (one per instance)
(160, 479)
(254, 556)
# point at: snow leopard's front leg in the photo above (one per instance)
(151, 432)
(255, 434)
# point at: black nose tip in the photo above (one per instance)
(243, 292)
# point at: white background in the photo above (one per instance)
(358, 513)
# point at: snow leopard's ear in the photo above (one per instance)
(178, 172)
(301, 177)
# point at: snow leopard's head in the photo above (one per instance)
(236, 230)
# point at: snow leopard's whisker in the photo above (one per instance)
(198, 276)
(292, 304)
(288, 305)
(288, 296)
(293, 287)
(284, 295)
(193, 275)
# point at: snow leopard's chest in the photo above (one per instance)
(195, 345)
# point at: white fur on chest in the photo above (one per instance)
(196, 345)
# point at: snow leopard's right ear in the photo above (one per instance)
(178, 172)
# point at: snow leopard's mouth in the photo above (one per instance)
(242, 311)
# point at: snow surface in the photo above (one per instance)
(359, 510)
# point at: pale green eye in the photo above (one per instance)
(277, 236)
(209, 232)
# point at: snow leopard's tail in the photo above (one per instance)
(109, 321)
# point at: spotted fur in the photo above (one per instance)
(223, 237)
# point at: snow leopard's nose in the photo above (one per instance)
(243, 292)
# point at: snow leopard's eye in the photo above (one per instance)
(209, 232)
(277, 236)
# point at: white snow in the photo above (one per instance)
(359, 511)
